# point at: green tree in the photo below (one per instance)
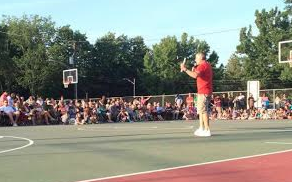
(116, 58)
(7, 74)
(288, 6)
(28, 36)
(66, 44)
(261, 50)
(234, 69)
(234, 74)
(162, 66)
(36, 53)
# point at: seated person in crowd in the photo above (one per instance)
(49, 111)
(159, 111)
(102, 112)
(113, 111)
(189, 113)
(243, 114)
(130, 109)
(23, 112)
(123, 115)
(63, 111)
(280, 114)
(149, 112)
(79, 114)
(168, 111)
(177, 111)
(141, 113)
(10, 112)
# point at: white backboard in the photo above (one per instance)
(70, 76)
(285, 51)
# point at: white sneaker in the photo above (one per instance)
(206, 133)
(15, 124)
(199, 132)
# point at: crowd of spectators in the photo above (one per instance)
(16, 110)
(242, 108)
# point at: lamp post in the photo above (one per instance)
(134, 85)
(72, 62)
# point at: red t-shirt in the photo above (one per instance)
(205, 78)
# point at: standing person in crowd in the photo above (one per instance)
(178, 100)
(190, 100)
(218, 105)
(283, 100)
(277, 102)
(225, 102)
(144, 100)
(204, 75)
(265, 101)
(241, 101)
(251, 102)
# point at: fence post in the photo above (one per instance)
(274, 97)
(162, 100)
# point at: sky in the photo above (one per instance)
(151, 19)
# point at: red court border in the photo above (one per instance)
(269, 167)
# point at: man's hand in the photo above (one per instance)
(183, 66)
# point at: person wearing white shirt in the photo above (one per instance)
(9, 111)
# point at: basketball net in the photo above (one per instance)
(66, 84)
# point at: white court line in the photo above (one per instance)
(276, 130)
(174, 128)
(279, 143)
(186, 166)
(140, 128)
(18, 148)
(116, 127)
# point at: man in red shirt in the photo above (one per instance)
(204, 75)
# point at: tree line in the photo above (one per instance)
(34, 51)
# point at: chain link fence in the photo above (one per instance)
(270, 93)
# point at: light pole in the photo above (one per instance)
(134, 85)
(72, 62)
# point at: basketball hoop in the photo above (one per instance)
(70, 77)
(66, 84)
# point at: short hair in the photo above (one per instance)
(202, 55)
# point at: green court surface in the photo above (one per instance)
(74, 153)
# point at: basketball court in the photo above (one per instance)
(150, 151)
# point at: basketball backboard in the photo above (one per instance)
(285, 51)
(70, 76)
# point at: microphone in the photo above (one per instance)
(184, 62)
